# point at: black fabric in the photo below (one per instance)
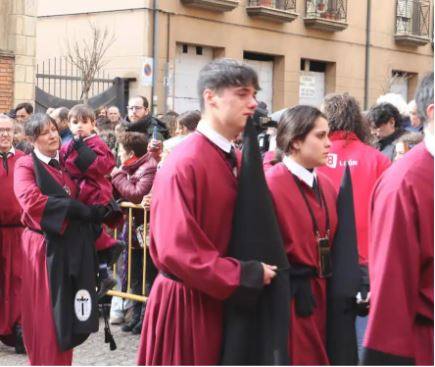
(256, 332)
(4, 157)
(146, 126)
(300, 289)
(54, 163)
(86, 156)
(364, 289)
(71, 264)
(373, 357)
(344, 282)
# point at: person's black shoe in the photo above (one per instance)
(19, 345)
(106, 285)
(137, 328)
(130, 326)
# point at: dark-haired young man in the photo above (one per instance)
(23, 112)
(142, 121)
(400, 328)
(387, 124)
(191, 218)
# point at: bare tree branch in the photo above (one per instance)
(88, 56)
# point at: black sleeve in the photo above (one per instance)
(251, 284)
(372, 357)
(78, 210)
(54, 214)
(86, 156)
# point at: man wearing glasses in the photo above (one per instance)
(141, 120)
(10, 241)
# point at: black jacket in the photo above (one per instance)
(146, 126)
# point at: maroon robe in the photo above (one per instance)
(10, 249)
(307, 340)
(194, 195)
(93, 184)
(37, 318)
(401, 251)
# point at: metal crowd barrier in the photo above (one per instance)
(130, 207)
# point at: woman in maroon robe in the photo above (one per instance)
(305, 203)
(10, 240)
(42, 214)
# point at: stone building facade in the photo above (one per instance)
(17, 52)
(302, 49)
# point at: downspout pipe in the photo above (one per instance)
(154, 55)
(367, 55)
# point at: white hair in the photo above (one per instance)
(396, 100)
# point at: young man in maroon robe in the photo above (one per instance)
(10, 238)
(400, 327)
(191, 218)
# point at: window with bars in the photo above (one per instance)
(326, 9)
(413, 17)
(288, 5)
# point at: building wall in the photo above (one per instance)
(230, 34)
(17, 50)
(6, 81)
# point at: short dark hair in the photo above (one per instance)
(424, 96)
(225, 73)
(134, 142)
(103, 123)
(344, 114)
(145, 102)
(295, 124)
(189, 120)
(27, 106)
(36, 123)
(61, 113)
(81, 112)
(382, 113)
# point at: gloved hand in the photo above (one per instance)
(78, 211)
(363, 295)
(98, 213)
(78, 142)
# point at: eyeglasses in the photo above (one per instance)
(6, 130)
(134, 108)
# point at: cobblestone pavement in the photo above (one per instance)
(92, 352)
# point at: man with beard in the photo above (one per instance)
(142, 121)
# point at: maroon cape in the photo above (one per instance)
(307, 340)
(10, 249)
(37, 318)
(93, 183)
(191, 219)
(400, 327)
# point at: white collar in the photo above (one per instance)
(299, 171)
(11, 151)
(89, 137)
(216, 138)
(429, 141)
(43, 157)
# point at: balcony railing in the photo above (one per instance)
(327, 15)
(216, 5)
(274, 10)
(413, 22)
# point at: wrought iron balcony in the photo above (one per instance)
(274, 10)
(216, 5)
(326, 15)
(413, 22)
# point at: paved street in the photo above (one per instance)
(93, 352)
